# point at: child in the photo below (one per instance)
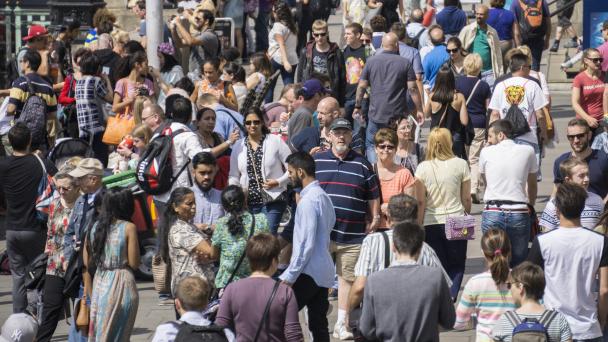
(235, 74)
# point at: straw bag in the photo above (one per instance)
(161, 274)
(119, 125)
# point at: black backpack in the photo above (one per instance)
(188, 332)
(35, 273)
(415, 42)
(33, 115)
(154, 172)
(518, 120)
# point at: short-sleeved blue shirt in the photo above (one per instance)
(502, 21)
(598, 171)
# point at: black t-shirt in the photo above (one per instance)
(319, 61)
(354, 61)
(19, 178)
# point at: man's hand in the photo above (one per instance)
(372, 226)
(315, 150)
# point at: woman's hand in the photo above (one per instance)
(593, 123)
(271, 183)
(234, 136)
(287, 67)
(384, 209)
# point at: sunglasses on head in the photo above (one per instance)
(320, 34)
(252, 122)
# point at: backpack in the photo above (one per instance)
(515, 94)
(33, 115)
(189, 332)
(531, 329)
(532, 23)
(415, 42)
(154, 171)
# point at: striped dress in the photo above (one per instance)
(487, 301)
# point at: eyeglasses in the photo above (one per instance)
(65, 189)
(386, 147)
(147, 117)
(320, 34)
(451, 51)
(597, 60)
(252, 122)
(577, 136)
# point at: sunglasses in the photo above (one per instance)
(450, 51)
(386, 147)
(596, 60)
(252, 122)
(577, 136)
(366, 41)
(320, 34)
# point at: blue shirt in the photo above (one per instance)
(224, 123)
(502, 21)
(167, 332)
(315, 218)
(432, 63)
(350, 183)
(452, 19)
(411, 54)
(208, 205)
(598, 171)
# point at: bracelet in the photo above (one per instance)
(230, 143)
(377, 217)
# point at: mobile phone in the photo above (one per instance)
(105, 70)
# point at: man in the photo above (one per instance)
(378, 26)
(20, 174)
(309, 95)
(479, 37)
(313, 140)
(190, 302)
(416, 32)
(61, 54)
(37, 39)
(564, 24)
(390, 76)
(355, 57)
(535, 31)
(451, 18)
(273, 110)
(435, 58)
(407, 301)
(521, 94)
(21, 327)
(579, 135)
(508, 169)
(573, 257)
(204, 45)
(208, 200)
(322, 57)
(311, 270)
(401, 208)
(226, 120)
(140, 11)
(30, 62)
(352, 185)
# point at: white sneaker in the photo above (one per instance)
(340, 332)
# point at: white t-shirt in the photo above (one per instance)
(506, 166)
(594, 206)
(291, 43)
(571, 258)
(529, 97)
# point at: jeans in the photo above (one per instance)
(22, 248)
(488, 76)
(54, 303)
(517, 227)
(451, 253)
(370, 149)
(536, 46)
(288, 78)
(309, 294)
(261, 30)
(273, 211)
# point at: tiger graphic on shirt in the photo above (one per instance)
(515, 94)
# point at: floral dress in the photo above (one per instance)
(59, 216)
(233, 246)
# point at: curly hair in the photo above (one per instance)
(233, 201)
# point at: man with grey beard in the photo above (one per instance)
(349, 180)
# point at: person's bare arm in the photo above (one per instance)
(11, 109)
(132, 246)
(185, 36)
(603, 297)
(428, 109)
(355, 296)
(416, 98)
(605, 99)
(252, 81)
(532, 188)
(229, 101)
(578, 109)
(44, 68)
(464, 116)
(374, 212)
(516, 33)
(465, 195)
(541, 119)
(119, 103)
(207, 250)
(283, 51)
(495, 115)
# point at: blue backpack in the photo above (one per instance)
(531, 329)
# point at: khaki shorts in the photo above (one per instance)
(346, 256)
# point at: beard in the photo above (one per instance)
(341, 148)
(204, 188)
(297, 182)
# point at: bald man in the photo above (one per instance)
(416, 31)
(479, 37)
(313, 140)
(432, 61)
(390, 77)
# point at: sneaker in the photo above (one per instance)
(554, 47)
(166, 302)
(341, 333)
(571, 44)
(332, 294)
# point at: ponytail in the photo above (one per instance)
(233, 201)
(496, 248)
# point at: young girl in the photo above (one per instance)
(235, 74)
(213, 84)
(261, 70)
(487, 294)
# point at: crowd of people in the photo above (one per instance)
(264, 205)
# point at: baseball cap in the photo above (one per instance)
(341, 123)
(87, 166)
(35, 31)
(312, 87)
(19, 327)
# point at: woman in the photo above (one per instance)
(282, 43)
(389, 10)
(113, 250)
(213, 84)
(447, 108)
(478, 94)
(457, 54)
(446, 179)
(60, 210)
(486, 295)
(257, 163)
(235, 74)
(354, 11)
(182, 244)
(67, 97)
(261, 70)
(527, 287)
(408, 153)
(574, 170)
(505, 24)
(230, 236)
(588, 91)
(211, 141)
(141, 136)
(243, 302)
(134, 85)
(170, 71)
(394, 178)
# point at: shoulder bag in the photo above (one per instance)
(266, 310)
(119, 125)
(460, 227)
(469, 131)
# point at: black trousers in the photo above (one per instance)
(23, 247)
(309, 294)
(53, 307)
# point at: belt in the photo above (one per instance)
(522, 210)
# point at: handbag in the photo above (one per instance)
(83, 315)
(161, 274)
(119, 125)
(469, 131)
(35, 273)
(460, 227)
(266, 310)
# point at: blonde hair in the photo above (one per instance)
(439, 145)
(142, 132)
(524, 49)
(319, 24)
(586, 55)
(472, 64)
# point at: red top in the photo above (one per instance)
(64, 99)
(592, 92)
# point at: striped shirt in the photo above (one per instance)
(373, 249)
(594, 206)
(558, 330)
(350, 183)
(43, 88)
(482, 297)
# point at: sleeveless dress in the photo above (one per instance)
(114, 299)
(452, 123)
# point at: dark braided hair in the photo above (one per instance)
(233, 201)
(169, 218)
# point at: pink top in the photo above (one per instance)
(131, 89)
(603, 49)
(402, 180)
